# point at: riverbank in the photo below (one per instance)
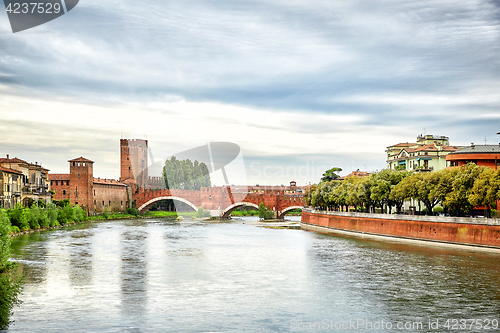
(466, 233)
(111, 217)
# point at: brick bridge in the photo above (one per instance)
(221, 201)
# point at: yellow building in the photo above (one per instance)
(35, 184)
(427, 154)
(10, 187)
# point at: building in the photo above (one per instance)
(10, 187)
(357, 173)
(34, 183)
(94, 195)
(134, 162)
(427, 154)
(485, 155)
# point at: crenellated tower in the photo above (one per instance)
(134, 161)
(81, 180)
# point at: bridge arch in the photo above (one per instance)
(144, 207)
(227, 212)
(287, 209)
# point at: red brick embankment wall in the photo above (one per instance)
(465, 231)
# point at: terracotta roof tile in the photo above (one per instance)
(12, 160)
(403, 144)
(10, 171)
(81, 159)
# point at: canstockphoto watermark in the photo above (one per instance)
(355, 324)
(26, 14)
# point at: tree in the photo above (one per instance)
(331, 174)
(185, 175)
(462, 186)
(308, 194)
(264, 212)
(485, 189)
(10, 282)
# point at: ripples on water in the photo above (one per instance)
(158, 276)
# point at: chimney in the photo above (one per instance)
(472, 145)
(7, 156)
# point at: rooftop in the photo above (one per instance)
(10, 170)
(81, 159)
(479, 149)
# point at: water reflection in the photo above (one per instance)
(134, 274)
(80, 254)
(157, 276)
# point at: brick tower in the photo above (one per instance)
(81, 180)
(134, 161)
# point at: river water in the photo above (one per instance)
(160, 276)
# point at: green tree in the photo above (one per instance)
(331, 174)
(18, 217)
(308, 194)
(79, 214)
(202, 212)
(185, 175)
(52, 214)
(486, 189)
(10, 282)
(463, 183)
(264, 212)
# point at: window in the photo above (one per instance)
(64, 192)
(78, 175)
(110, 203)
(103, 202)
(57, 183)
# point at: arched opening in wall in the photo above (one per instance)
(293, 209)
(169, 204)
(243, 207)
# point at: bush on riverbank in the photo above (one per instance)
(24, 219)
(10, 282)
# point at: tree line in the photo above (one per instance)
(185, 174)
(457, 190)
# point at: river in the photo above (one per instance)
(161, 276)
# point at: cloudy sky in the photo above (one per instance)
(299, 85)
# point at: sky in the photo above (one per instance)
(300, 85)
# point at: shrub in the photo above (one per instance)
(105, 214)
(10, 284)
(18, 217)
(52, 211)
(133, 211)
(264, 212)
(14, 229)
(202, 212)
(438, 210)
(79, 213)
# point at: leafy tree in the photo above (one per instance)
(202, 212)
(79, 214)
(308, 194)
(10, 282)
(185, 175)
(18, 217)
(462, 186)
(485, 189)
(264, 212)
(133, 211)
(331, 174)
(52, 214)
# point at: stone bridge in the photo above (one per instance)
(221, 201)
